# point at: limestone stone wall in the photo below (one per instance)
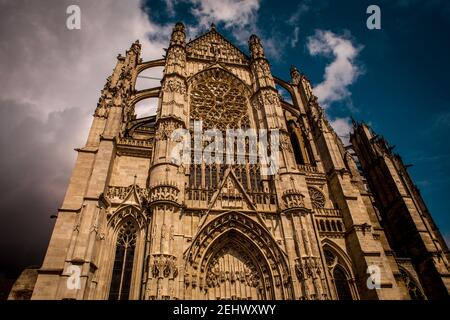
(310, 231)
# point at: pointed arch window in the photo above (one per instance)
(123, 262)
(341, 283)
(297, 149)
(214, 176)
(255, 178)
(208, 176)
(413, 289)
(242, 172)
(339, 275)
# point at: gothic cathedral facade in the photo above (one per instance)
(333, 222)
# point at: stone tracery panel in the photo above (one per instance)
(238, 231)
(220, 100)
(233, 274)
(213, 46)
(317, 198)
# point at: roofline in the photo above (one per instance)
(223, 37)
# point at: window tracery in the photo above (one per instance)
(341, 283)
(219, 100)
(232, 274)
(123, 262)
(330, 258)
(413, 290)
(339, 275)
(317, 198)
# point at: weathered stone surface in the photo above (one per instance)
(24, 285)
(135, 225)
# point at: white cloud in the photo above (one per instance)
(342, 127)
(294, 19)
(341, 72)
(302, 8)
(232, 13)
(294, 40)
(170, 6)
(239, 16)
(274, 46)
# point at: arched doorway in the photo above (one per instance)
(235, 257)
(237, 270)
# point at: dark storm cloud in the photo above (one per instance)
(34, 164)
(51, 79)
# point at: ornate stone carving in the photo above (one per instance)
(164, 266)
(120, 193)
(242, 233)
(175, 85)
(256, 47)
(165, 192)
(126, 73)
(127, 234)
(295, 75)
(317, 197)
(411, 285)
(285, 142)
(293, 199)
(213, 46)
(256, 104)
(220, 100)
(136, 48)
(263, 73)
(215, 277)
(330, 259)
(101, 111)
(176, 57)
(307, 87)
(224, 232)
(128, 211)
(178, 36)
(271, 98)
(107, 85)
(166, 127)
(136, 143)
(307, 267)
(127, 114)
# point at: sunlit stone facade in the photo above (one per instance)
(139, 226)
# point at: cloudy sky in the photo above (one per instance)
(395, 78)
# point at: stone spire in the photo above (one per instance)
(256, 47)
(178, 35)
(295, 75)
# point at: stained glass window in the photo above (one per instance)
(341, 283)
(123, 262)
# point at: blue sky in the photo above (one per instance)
(401, 85)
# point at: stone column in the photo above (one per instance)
(166, 176)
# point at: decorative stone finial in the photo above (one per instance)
(295, 75)
(135, 47)
(256, 47)
(179, 26)
(178, 35)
